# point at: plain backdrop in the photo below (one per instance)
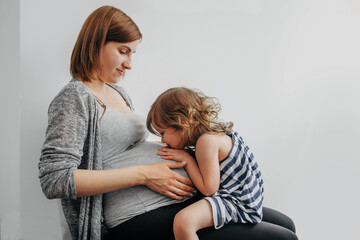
(285, 72)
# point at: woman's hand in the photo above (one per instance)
(174, 154)
(160, 178)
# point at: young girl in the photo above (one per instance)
(224, 170)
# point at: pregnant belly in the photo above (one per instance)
(143, 153)
(123, 204)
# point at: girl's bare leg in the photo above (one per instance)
(192, 218)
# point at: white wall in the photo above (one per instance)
(286, 72)
(9, 120)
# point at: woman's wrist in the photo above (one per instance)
(141, 173)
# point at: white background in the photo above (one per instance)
(286, 73)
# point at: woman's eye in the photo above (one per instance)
(122, 51)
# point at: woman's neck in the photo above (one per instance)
(96, 85)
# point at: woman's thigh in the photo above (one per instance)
(159, 223)
(156, 224)
(260, 231)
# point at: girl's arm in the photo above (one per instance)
(205, 171)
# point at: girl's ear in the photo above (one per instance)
(182, 120)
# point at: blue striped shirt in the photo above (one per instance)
(240, 196)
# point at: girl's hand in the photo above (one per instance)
(174, 154)
(160, 178)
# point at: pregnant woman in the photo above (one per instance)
(95, 157)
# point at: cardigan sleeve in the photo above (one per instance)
(65, 140)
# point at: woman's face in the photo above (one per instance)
(116, 59)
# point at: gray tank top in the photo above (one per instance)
(123, 145)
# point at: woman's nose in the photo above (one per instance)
(127, 64)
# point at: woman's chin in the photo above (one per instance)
(114, 80)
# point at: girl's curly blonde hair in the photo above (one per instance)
(189, 111)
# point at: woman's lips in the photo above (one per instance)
(121, 72)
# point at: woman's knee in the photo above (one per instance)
(278, 218)
(276, 232)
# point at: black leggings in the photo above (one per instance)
(158, 224)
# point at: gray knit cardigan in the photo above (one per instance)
(73, 142)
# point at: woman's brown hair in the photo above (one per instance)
(105, 24)
(189, 111)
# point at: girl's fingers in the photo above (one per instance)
(164, 155)
(165, 149)
(178, 165)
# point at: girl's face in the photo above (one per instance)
(170, 136)
(116, 59)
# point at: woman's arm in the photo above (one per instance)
(64, 144)
(159, 177)
(205, 171)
